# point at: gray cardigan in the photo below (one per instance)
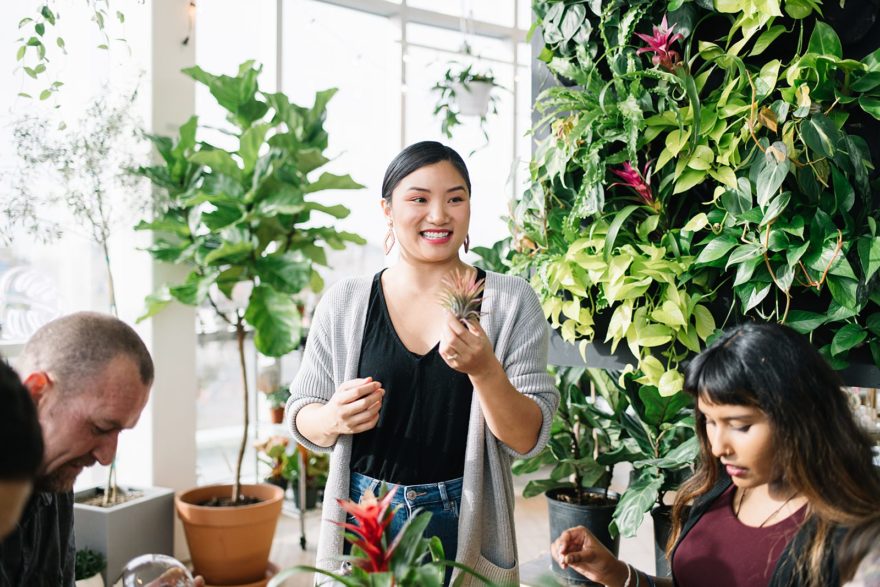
(515, 325)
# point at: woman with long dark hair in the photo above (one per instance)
(405, 393)
(784, 470)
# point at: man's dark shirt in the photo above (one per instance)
(41, 551)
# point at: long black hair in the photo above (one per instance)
(820, 449)
(20, 433)
(419, 155)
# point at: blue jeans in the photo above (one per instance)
(442, 499)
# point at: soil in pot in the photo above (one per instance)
(595, 511)
(226, 502)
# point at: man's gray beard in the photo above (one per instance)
(54, 482)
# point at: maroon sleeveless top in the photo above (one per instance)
(723, 551)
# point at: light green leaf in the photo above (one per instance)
(724, 175)
(671, 383)
(669, 314)
(705, 322)
(676, 140)
(698, 222)
(714, 250)
(688, 180)
(219, 161)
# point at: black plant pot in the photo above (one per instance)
(662, 515)
(311, 498)
(277, 481)
(596, 517)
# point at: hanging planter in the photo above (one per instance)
(463, 92)
(473, 98)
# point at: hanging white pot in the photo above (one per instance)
(473, 99)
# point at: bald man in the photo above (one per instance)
(89, 376)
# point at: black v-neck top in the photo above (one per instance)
(423, 424)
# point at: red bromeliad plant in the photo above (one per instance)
(372, 516)
(378, 559)
(640, 183)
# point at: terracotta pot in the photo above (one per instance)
(277, 415)
(230, 545)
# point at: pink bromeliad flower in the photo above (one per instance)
(660, 45)
(640, 183)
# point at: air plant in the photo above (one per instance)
(461, 295)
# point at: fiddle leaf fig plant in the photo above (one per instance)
(242, 219)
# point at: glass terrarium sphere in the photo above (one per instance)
(156, 570)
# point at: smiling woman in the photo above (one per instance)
(404, 393)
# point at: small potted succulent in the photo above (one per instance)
(88, 568)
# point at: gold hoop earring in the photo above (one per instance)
(467, 242)
(389, 239)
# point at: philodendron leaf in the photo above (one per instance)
(714, 250)
(637, 500)
(773, 172)
(824, 41)
(671, 383)
(870, 105)
(276, 321)
(803, 321)
(820, 134)
(849, 336)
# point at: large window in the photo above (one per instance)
(383, 57)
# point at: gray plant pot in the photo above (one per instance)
(595, 517)
(141, 526)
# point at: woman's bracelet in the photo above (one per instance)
(629, 572)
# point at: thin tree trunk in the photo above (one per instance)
(239, 333)
(110, 487)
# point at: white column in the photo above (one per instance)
(173, 338)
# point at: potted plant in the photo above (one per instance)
(377, 558)
(577, 488)
(464, 91)
(274, 452)
(89, 566)
(241, 221)
(277, 401)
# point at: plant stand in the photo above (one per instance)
(144, 525)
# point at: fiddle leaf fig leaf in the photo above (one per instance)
(275, 319)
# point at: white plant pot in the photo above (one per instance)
(93, 581)
(473, 100)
